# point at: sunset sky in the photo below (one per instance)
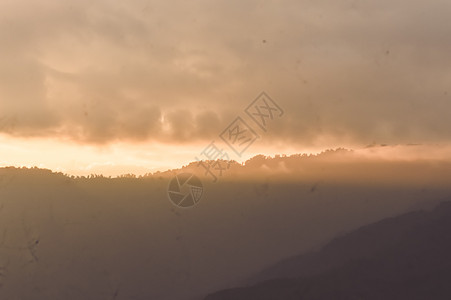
(138, 86)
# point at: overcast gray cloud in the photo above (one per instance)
(178, 71)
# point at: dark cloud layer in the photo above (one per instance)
(344, 71)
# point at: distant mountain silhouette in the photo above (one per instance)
(405, 257)
(95, 237)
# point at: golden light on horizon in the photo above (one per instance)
(149, 88)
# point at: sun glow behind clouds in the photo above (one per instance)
(110, 160)
(115, 158)
(141, 158)
(75, 159)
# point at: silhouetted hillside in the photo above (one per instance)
(65, 237)
(405, 257)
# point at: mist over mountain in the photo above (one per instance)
(404, 257)
(155, 149)
(66, 237)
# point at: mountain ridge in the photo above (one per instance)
(403, 257)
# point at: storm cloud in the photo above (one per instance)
(173, 72)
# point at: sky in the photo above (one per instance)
(138, 86)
